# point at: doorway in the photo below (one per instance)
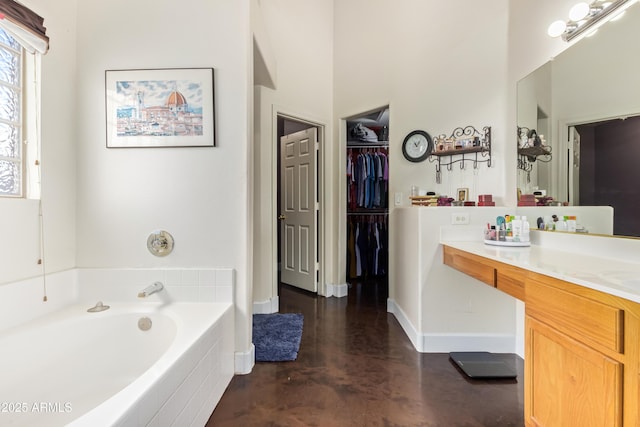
(367, 181)
(605, 162)
(299, 207)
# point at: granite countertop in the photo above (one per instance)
(614, 277)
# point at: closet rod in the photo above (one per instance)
(367, 213)
(370, 145)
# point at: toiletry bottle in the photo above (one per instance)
(561, 225)
(507, 222)
(571, 223)
(526, 230)
(516, 228)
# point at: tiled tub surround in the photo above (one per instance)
(170, 379)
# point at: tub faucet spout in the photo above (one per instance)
(151, 289)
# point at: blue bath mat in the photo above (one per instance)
(277, 336)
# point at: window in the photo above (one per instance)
(12, 166)
(23, 41)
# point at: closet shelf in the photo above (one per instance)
(362, 144)
(366, 211)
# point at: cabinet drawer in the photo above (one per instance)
(585, 319)
(470, 264)
(511, 281)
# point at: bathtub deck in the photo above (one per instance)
(78, 375)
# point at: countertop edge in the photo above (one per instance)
(557, 264)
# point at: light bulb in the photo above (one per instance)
(556, 28)
(618, 16)
(579, 12)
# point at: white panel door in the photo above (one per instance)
(298, 209)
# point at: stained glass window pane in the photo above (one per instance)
(11, 155)
(9, 104)
(9, 67)
(8, 40)
(9, 138)
(9, 178)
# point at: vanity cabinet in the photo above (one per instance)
(568, 383)
(574, 355)
(582, 346)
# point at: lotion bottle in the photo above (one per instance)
(516, 229)
(526, 228)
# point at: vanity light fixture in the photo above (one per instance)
(579, 11)
(585, 18)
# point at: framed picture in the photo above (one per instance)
(463, 194)
(171, 107)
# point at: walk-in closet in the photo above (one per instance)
(368, 197)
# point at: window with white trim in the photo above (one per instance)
(12, 166)
(23, 41)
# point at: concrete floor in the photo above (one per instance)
(356, 367)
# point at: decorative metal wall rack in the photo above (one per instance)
(465, 144)
(530, 151)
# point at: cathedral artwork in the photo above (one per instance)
(160, 108)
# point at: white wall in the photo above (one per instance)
(440, 308)
(300, 39)
(199, 195)
(425, 59)
(19, 226)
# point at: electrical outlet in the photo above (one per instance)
(398, 199)
(460, 218)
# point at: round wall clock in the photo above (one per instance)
(417, 146)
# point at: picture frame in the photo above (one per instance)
(168, 107)
(463, 194)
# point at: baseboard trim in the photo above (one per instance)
(338, 291)
(269, 306)
(447, 342)
(407, 326)
(444, 343)
(244, 361)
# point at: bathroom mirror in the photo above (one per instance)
(586, 103)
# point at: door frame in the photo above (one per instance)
(565, 143)
(320, 168)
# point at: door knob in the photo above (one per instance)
(281, 216)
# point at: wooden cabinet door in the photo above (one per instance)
(568, 383)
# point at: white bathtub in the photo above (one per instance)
(99, 369)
